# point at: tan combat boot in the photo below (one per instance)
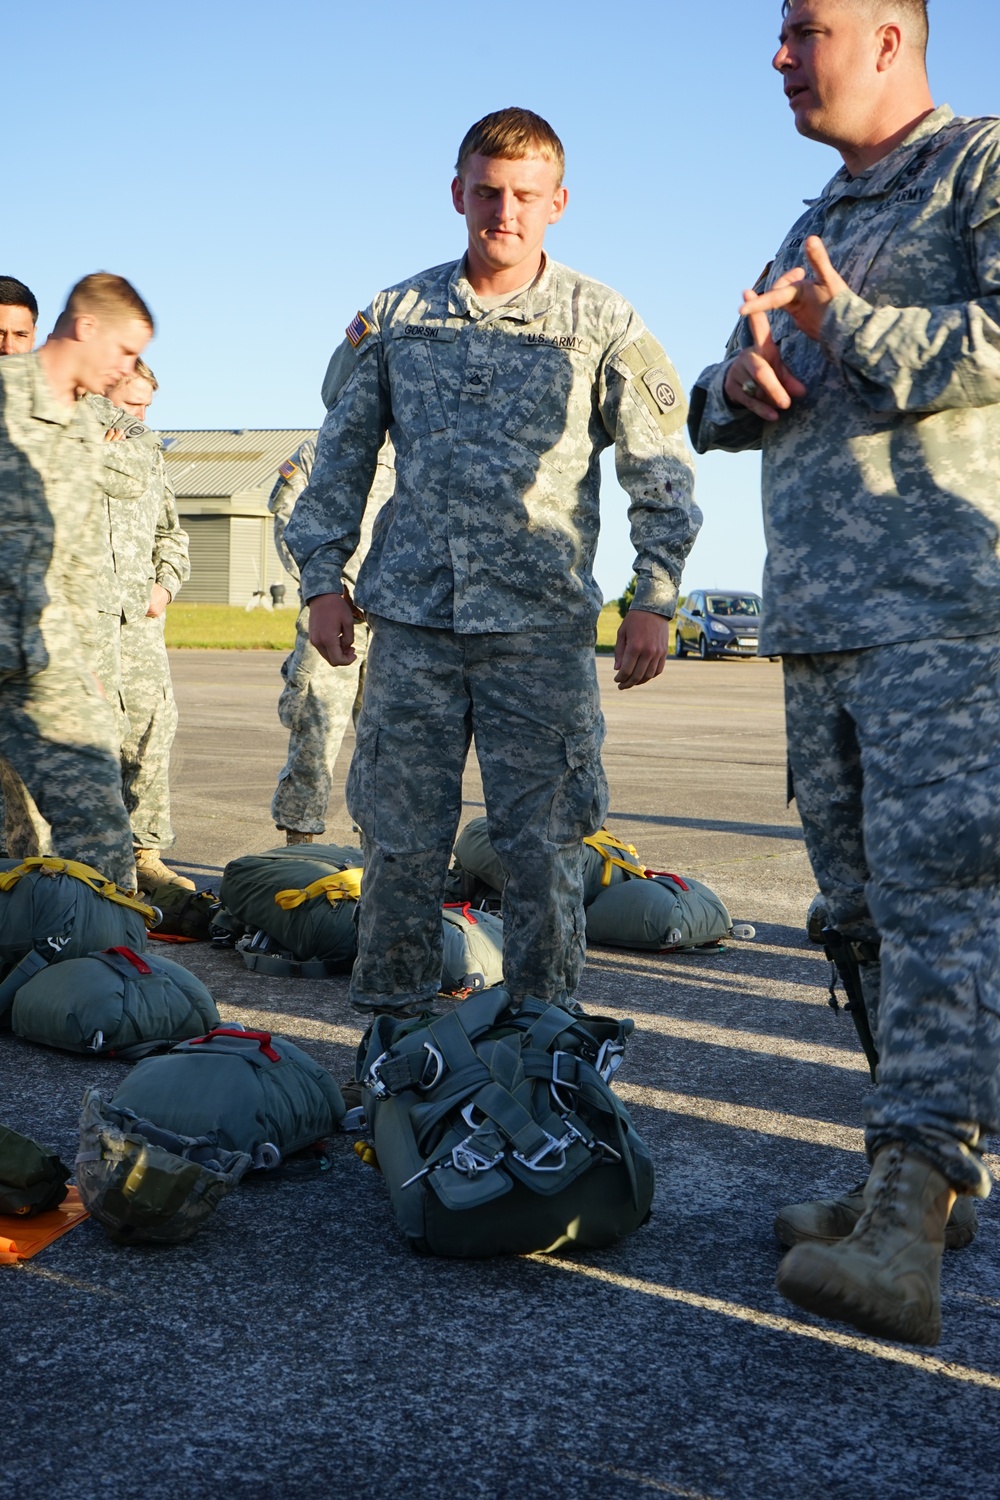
(824, 1221)
(151, 871)
(885, 1277)
(292, 836)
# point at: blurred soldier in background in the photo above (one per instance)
(18, 324)
(149, 557)
(18, 317)
(318, 701)
(57, 730)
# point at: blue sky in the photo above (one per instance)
(260, 170)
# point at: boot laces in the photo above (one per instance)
(882, 1213)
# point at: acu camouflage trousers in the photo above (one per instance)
(57, 737)
(531, 703)
(316, 705)
(151, 723)
(895, 756)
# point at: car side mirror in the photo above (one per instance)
(696, 614)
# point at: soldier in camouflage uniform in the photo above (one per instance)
(56, 729)
(18, 325)
(318, 701)
(150, 563)
(871, 383)
(500, 380)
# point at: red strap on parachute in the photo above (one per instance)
(667, 876)
(264, 1037)
(137, 963)
(465, 907)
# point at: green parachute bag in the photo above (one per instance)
(473, 950)
(182, 913)
(497, 1130)
(248, 1090)
(661, 914)
(32, 1178)
(118, 1002)
(55, 909)
(147, 1185)
(303, 899)
(606, 862)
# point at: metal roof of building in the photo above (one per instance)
(218, 463)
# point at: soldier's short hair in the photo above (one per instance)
(143, 372)
(14, 293)
(105, 296)
(512, 134)
(914, 11)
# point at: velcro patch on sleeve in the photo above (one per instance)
(287, 469)
(358, 329)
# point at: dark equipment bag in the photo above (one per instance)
(54, 909)
(147, 1185)
(497, 1131)
(32, 1179)
(248, 1090)
(119, 1002)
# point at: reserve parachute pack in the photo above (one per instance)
(56, 909)
(32, 1178)
(627, 905)
(118, 1002)
(249, 1091)
(145, 1184)
(291, 913)
(301, 899)
(497, 1131)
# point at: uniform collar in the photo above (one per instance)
(44, 405)
(879, 178)
(531, 304)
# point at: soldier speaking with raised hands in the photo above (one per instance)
(866, 367)
(499, 379)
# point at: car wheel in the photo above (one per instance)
(679, 650)
(703, 647)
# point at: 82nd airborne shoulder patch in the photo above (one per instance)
(358, 328)
(660, 389)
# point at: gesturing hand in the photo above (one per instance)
(758, 377)
(806, 300)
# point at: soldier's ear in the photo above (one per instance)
(84, 327)
(559, 201)
(458, 195)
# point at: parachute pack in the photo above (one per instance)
(118, 1002)
(497, 1131)
(52, 910)
(291, 913)
(627, 905)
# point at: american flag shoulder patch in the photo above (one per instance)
(287, 469)
(358, 328)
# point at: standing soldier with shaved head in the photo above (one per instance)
(57, 732)
(867, 368)
(499, 378)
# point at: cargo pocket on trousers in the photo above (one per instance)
(580, 803)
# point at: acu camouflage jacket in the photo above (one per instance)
(498, 419)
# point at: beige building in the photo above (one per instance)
(222, 480)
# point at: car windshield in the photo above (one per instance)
(733, 604)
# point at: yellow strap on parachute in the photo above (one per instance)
(603, 842)
(46, 864)
(344, 886)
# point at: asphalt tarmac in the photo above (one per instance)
(298, 1348)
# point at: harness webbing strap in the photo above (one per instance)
(85, 874)
(345, 885)
(31, 964)
(604, 842)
